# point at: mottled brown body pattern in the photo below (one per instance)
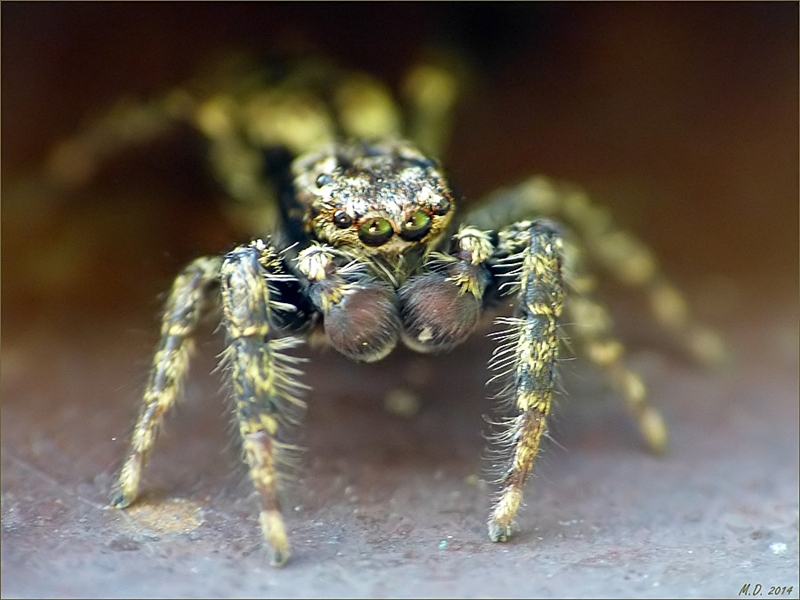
(362, 243)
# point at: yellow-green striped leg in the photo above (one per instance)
(263, 378)
(626, 257)
(528, 353)
(185, 305)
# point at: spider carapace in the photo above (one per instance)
(361, 241)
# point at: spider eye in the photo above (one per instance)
(416, 226)
(341, 219)
(323, 180)
(441, 207)
(375, 231)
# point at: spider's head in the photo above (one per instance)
(382, 198)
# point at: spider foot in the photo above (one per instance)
(501, 521)
(120, 500)
(127, 487)
(275, 533)
(499, 533)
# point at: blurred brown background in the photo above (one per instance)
(682, 118)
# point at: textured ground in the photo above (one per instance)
(682, 117)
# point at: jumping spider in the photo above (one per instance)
(367, 248)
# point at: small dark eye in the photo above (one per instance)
(416, 226)
(341, 219)
(323, 180)
(441, 206)
(375, 231)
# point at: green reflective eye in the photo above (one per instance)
(416, 225)
(375, 232)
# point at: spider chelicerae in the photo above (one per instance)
(367, 248)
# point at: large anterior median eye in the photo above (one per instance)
(416, 226)
(375, 231)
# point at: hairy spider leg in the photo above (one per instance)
(593, 331)
(621, 253)
(312, 105)
(592, 325)
(187, 301)
(528, 352)
(242, 109)
(263, 376)
(431, 89)
(74, 161)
